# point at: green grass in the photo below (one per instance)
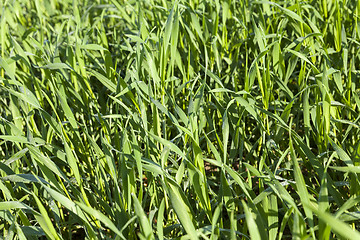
(193, 119)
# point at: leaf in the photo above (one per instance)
(44, 220)
(341, 153)
(144, 221)
(353, 169)
(16, 156)
(27, 96)
(56, 66)
(13, 205)
(7, 69)
(101, 217)
(182, 210)
(253, 229)
(24, 178)
(19, 139)
(104, 80)
(92, 47)
(339, 227)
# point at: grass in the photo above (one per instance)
(179, 119)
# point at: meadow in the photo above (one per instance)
(184, 119)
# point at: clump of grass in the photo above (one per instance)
(179, 119)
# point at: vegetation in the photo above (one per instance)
(157, 119)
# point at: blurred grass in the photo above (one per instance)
(179, 119)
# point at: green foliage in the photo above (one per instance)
(158, 119)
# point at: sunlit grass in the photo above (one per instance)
(179, 119)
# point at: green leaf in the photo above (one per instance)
(13, 205)
(340, 228)
(253, 229)
(182, 209)
(144, 221)
(101, 217)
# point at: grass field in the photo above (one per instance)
(156, 119)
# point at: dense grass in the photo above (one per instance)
(165, 119)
